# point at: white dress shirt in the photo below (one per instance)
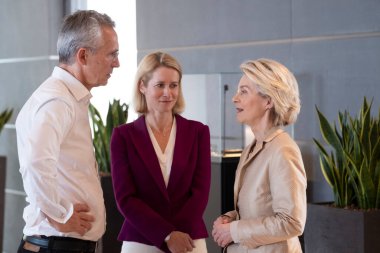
(56, 155)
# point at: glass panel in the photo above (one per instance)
(208, 99)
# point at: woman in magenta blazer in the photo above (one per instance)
(161, 166)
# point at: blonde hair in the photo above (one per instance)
(275, 81)
(144, 73)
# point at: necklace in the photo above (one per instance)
(156, 129)
(164, 133)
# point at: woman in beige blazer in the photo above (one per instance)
(270, 184)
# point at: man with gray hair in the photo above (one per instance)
(65, 208)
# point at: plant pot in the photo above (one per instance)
(334, 230)
(2, 189)
(109, 242)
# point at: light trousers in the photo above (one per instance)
(135, 247)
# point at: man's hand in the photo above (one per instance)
(79, 222)
(180, 242)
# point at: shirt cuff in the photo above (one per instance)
(64, 217)
(69, 214)
(167, 238)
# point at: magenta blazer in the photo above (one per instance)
(151, 210)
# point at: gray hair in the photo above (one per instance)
(81, 29)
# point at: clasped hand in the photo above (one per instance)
(221, 231)
(180, 242)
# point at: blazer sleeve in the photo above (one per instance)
(195, 206)
(140, 215)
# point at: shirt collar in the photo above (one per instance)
(76, 88)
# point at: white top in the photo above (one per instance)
(56, 155)
(165, 158)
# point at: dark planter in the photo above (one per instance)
(109, 242)
(338, 230)
(2, 189)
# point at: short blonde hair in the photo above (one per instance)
(144, 73)
(275, 81)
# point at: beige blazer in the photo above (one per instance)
(270, 197)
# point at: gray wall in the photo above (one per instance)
(332, 47)
(28, 35)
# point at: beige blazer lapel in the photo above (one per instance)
(247, 157)
(245, 160)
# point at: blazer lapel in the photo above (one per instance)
(247, 157)
(245, 161)
(145, 149)
(182, 149)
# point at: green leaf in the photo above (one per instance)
(116, 115)
(353, 170)
(5, 116)
(330, 136)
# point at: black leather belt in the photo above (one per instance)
(61, 243)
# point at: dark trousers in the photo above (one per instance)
(43, 250)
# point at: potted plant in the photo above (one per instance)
(117, 114)
(4, 118)
(351, 166)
